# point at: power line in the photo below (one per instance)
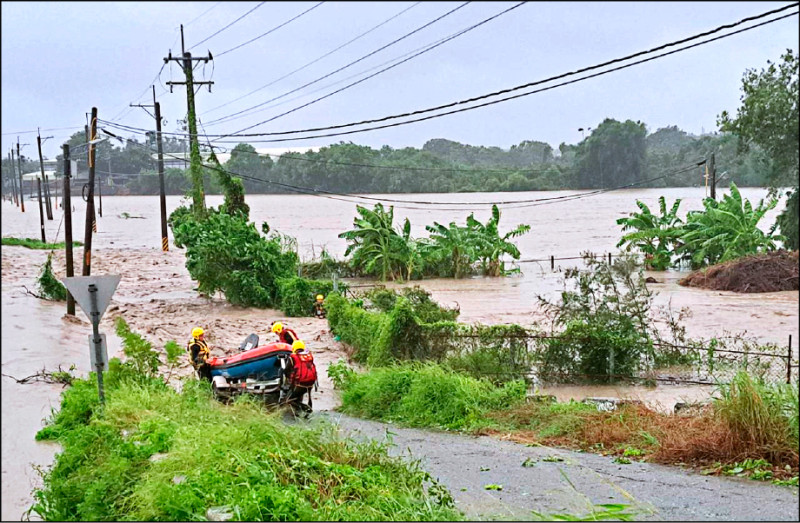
(227, 26)
(315, 60)
(201, 15)
(495, 101)
(456, 35)
(44, 130)
(271, 30)
(531, 83)
(348, 65)
(557, 77)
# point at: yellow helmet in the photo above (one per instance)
(277, 327)
(320, 297)
(298, 345)
(197, 332)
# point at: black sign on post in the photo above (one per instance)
(93, 294)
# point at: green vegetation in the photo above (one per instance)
(424, 395)
(603, 312)
(722, 231)
(225, 252)
(601, 512)
(49, 286)
(33, 243)
(767, 119)
(378, 249)
(154, 454)
(654, 236)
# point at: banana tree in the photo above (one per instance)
(726, 230)
(451, 249)
(491, 246)
(653, 235)
(376, 246)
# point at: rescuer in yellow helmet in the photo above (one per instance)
(319, 309)
(199, 353)
(285, 335)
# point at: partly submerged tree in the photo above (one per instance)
(726, 230)
(653, 235)
(491, 246)
(377, 248)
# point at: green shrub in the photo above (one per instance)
(226, 253)
(426, 395)
(139, 353)
(297, 295)
(427, 310)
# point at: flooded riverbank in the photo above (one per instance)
(157, 297)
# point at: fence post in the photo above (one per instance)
(609, 258)
(611, 365)
(552, 262)
(789, 361)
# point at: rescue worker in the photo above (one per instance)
(299, 377)
(199, 353)
(285, 335)
(319, 310)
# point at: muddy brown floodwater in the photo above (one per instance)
(157, 297)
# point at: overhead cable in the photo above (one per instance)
(271, 30)
(494, 101)
(315, 60)
(227, 26)
(348, 65)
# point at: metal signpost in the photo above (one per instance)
(93, 294)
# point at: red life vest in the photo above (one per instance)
(305, 372)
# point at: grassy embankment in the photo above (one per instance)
(152, 453)
(32, 243)
(751, 428)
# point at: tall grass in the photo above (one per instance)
(154, 454)
(426, 395)
(763, 416)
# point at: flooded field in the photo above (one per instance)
(156, 295)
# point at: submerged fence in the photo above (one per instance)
(548, 359)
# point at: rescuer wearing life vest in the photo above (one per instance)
(285, 335)
(300, 377)
(319, 310)
(199, 353)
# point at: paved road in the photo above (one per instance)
(659, 492)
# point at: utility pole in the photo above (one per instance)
(19, 168)
(162, 189)
(198, 195)
(41, 211)
(100, 188)
(713, 169)
(13, 176)
(44, 177)
(67, 204)
(87, 242)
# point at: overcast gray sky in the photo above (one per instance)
(61, 58)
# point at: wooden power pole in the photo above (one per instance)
(67, 204)
(713, 172)
(44, 177)
(87, 242)
(19, 168)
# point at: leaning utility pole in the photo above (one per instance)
(19, 168)
(87, 242)
(44, 177)
(198, 194)
(67, 204)
(41, 211)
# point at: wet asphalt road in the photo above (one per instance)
(465, 464)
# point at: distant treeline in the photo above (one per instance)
(612, 155)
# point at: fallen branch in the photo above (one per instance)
(60, 376)
(31, 293)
